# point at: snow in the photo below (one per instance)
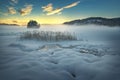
(92, 57)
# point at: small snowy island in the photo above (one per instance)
(33, 24)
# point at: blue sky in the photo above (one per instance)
(56, 11)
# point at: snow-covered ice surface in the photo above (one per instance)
(91, 57)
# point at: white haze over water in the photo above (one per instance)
(91, 57)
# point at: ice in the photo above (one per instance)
(92, 57)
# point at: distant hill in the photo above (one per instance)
(9, 24)
(96, 21)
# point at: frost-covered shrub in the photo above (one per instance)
(48, 36)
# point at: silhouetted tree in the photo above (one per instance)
(33, 24)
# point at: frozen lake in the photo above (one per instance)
(93, 56)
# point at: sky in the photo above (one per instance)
(56, 11)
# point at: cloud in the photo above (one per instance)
(72, 5)
(11, 10)
(51, 11)
(14, 1)
(25, 11)
(56, 11)
(14, 21)
(47, 8)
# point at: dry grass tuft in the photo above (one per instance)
(48, 36)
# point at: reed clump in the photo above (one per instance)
(48, 36)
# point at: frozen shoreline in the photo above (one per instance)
(89, 59)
